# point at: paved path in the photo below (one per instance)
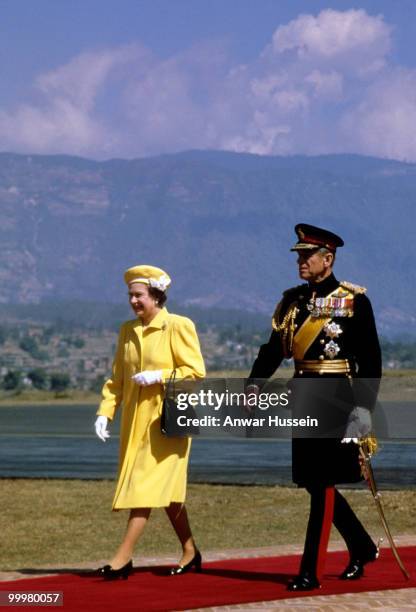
(396, 600)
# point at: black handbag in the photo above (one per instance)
(170, 412)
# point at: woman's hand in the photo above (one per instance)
(101, 428)
(148, 377)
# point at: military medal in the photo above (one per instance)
(337, 305)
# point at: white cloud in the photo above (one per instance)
(384, 122)
(65, 120)
(323, 84)
(79, 81)
(314, 85)
(61, 127)
(327, 85)
(351, 37)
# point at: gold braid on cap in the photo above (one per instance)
(287, 327)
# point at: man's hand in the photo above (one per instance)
(148, 377)
(358, 426)
(101, 428)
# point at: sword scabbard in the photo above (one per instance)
(367, 470)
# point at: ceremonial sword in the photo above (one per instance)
(367, 447)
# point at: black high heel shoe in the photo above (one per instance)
(108, 573)
(196, 562)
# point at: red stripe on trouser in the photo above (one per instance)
(325, 530)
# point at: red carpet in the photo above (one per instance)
(231, 581)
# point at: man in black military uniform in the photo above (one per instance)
(328, 328)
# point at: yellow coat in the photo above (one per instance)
(152, 467)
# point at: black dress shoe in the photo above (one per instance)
(355, 568)
(196, 562)
(304, 582)
(353, 571)
(108, 573)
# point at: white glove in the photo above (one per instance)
(358, 425)
(101, 428)
(148, 377)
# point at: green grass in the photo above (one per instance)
(54, 522)
(33, 397)
(395, 385)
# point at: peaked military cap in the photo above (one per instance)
(311, 237)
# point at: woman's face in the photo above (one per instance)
(144, 305)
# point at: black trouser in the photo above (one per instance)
(329, 506)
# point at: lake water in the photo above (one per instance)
(59, 442)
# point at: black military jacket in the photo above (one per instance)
(352, 337)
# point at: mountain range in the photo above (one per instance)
(220, 223)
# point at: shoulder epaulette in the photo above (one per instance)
(355, 289)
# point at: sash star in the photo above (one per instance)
(332, 330)
(331, 349)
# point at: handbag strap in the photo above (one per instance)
(171, 384)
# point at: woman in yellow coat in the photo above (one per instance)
(152, 467)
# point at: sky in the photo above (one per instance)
(137, 78)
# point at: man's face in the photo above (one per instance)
(314, 266)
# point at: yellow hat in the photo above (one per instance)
(149, 275)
